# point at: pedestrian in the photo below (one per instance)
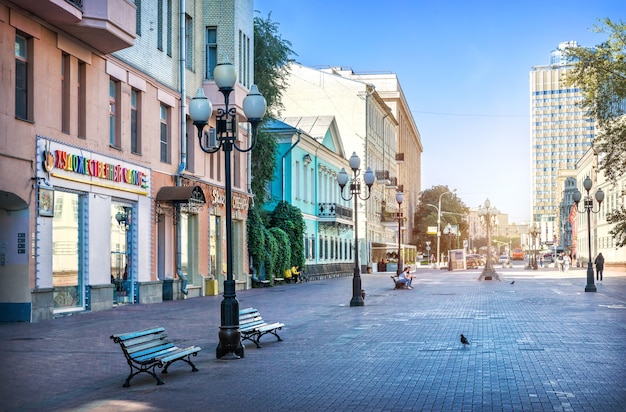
(541, 261)
(406, 277)
(566, 263)
(559, 262)
(599, 267)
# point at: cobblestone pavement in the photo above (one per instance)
(539, 344)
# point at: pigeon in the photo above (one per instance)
(512, 282)
(464, 340)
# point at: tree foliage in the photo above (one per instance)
(256, 239)
(271, 55)
(289, 218)
(283, 257)
(453, 211)
(271, 251)
(600, 73)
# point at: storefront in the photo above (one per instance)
(93, 229)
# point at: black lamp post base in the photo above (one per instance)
(230, 346)
(357, 292)
(590, 287)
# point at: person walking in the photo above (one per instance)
(599, 267)
(566, 263)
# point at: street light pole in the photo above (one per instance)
(486, 214)
(355, 193)
(399, 199)
(588, 207)
(439, 226)
(200, 109)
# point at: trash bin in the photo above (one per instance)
(210, 287)
(369, 267)
(168, 289)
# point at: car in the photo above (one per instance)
(472, 261)
(503, 259)
(518, 254)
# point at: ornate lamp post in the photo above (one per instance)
(439, 225)
(355, 193)
(399, 199)
(534, 232)
(588, 206)
(200, 110)
(487, 216)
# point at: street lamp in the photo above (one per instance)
(588, 206)
(439, 224)
(487, 216)
(534, 232)
(200, 110)
(399, 199)
(355, 192)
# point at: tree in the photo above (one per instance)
(283, 255)
(600, 73)
(453, 211)
(289, 218)
(271, 55)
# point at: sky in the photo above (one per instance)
(464, 68)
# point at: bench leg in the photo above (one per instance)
(142, 369)
(186, 359)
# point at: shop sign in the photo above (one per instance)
(95, 168)
(239, 202)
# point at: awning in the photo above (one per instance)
(181, 194)
(11, 202)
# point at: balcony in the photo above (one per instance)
(106, 25)
(55, 11)
(332, 215)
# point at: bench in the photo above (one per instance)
(258, 283)
(279, 281)
(252, 326)
(399, 285)
(148, 349)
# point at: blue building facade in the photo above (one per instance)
(309, 157)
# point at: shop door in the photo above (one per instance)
(122, 276)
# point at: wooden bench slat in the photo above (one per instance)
(148, 349)
(130, 335)
(252, 326)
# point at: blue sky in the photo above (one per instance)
(464, 68)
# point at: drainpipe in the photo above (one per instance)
(283, 160)
(183, 142)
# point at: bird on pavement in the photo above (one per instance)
(464, 340)
(512, 282)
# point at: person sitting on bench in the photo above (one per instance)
(406, 277)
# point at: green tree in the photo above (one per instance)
(256, 239)
(600, 73)
(271, 55)
(271, 250)
(453, 212)
(289, 219)
(282, 260)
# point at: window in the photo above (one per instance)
(170, 24)
(211, 51)
(191, 148)
(160, 25)
(82, 99)
(114, 118)
(189, 42)
(22, 78)
(65, 93)
(164, 135)
(138, 18)
(135, 121)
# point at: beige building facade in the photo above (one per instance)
(368, 121)
(105, 198)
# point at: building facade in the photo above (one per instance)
(105, 196)
(309, 157)
(559, 135)
(369, 128)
